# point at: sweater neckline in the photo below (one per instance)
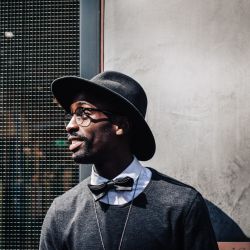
(145, 191)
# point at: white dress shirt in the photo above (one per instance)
(135, 170)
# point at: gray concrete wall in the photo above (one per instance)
(193, 59)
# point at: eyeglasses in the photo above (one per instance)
(83, 116)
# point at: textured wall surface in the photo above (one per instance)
(193, 59)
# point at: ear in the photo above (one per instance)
(122, 126)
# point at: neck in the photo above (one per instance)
(113, 167)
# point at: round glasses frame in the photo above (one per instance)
(83, 116)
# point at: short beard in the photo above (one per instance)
(82, 156)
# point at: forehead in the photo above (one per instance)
(90, 99)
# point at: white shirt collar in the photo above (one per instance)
(133, 170)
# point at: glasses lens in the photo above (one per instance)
(82, 117)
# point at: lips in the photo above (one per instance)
(75, 144)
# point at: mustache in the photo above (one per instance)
(77, 136)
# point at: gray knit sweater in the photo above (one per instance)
(167, 215)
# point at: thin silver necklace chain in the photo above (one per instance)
(126, 221)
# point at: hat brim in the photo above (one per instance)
(65, 89)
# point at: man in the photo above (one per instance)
(122, 205)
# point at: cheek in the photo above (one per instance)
(103, 136)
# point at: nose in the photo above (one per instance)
(72, 125)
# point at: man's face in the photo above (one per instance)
(92, 143)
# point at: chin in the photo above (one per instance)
(83, 155)
(81, 158)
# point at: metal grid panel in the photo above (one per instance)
(39, 42)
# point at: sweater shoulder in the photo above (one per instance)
(172, 191)
(74, 196)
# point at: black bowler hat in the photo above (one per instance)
(126, 92)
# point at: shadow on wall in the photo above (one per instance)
(226, 230)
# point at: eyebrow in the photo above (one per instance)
(82, 102)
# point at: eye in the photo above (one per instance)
(79, 112)
(87, 111)
(82, 113)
